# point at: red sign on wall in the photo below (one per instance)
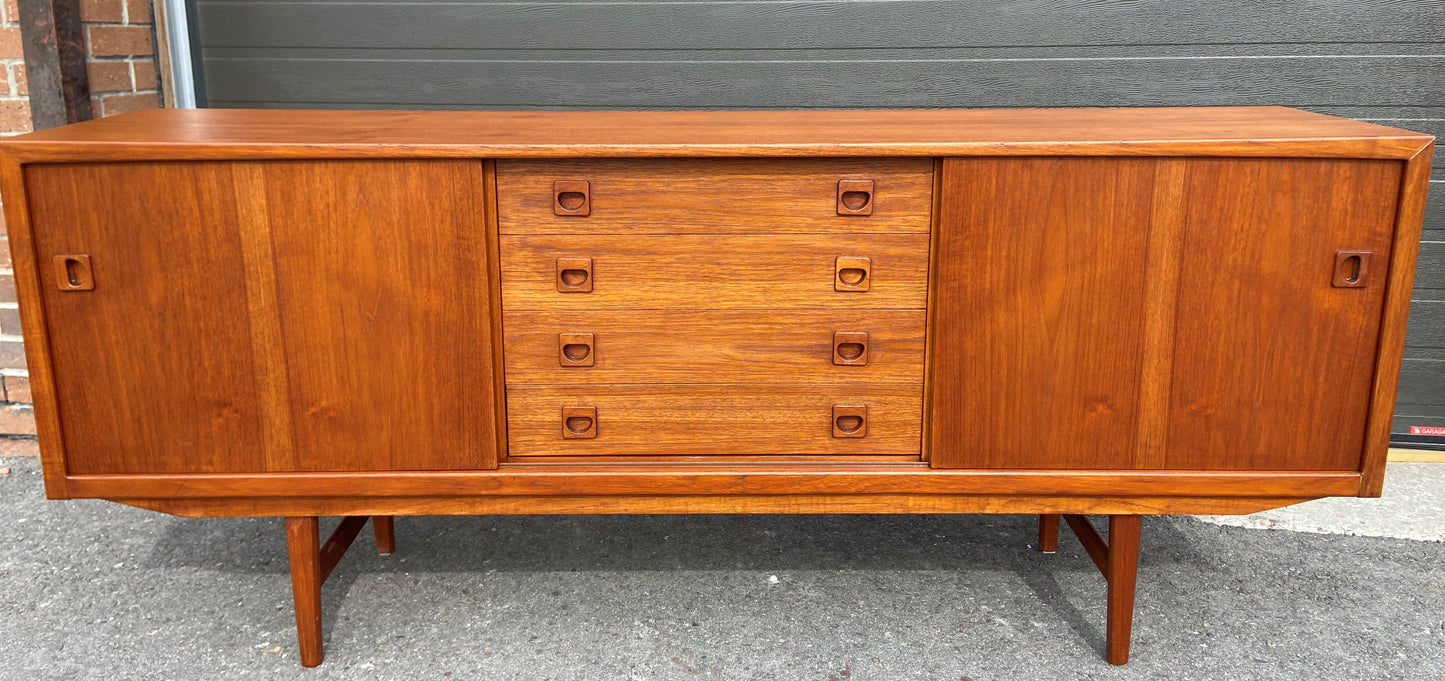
(1427, 430)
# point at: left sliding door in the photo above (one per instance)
(276, 316)
(144, 293)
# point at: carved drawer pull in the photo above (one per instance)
(572, 198)
(855, 197)
(72, 273)
(576, 350)
(574, 275)
(579, 423)
(1352, 269)
(852, 273)
(850, 420)
(850, 348)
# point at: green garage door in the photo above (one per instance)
(1376, 60)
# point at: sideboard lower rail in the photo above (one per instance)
(679, 505)
(640, 480)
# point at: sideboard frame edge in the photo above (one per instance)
(734, 481)
(1404, 250)
(33, 326)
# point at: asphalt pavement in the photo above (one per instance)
(96, 590)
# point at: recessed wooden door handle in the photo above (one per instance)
(574, 275)
(572, 198)
(73, 273)
(850, 420)
(1352, 269)
(576, 350)
(850, 348)
(855, 197)
(851, 273)
(579, 423)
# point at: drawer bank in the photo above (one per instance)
(1117, 312)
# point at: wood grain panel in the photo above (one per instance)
(190, 134)
(715, 196)
(709, 346)
(1272, 365)
(1040, 312)
(713, 419)
(714, 272)
(152, 368)
(382, 282)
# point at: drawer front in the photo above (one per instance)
(714, 272)
(714, 196)
(707, 346)
(643, 420)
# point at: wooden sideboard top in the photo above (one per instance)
(198, 134)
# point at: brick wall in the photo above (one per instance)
(120, 37)
(14, 102)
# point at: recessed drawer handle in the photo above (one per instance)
(1351, 269)
(855, 197)
(72, 273)
(579, 423)
(576, 350)
(851, 273)
(574, 275)
(850, 420)
(850, 348)
(572, 198)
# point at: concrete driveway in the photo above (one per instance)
(94, 590)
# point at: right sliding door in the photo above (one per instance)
(1157, 313)
(1280, 287)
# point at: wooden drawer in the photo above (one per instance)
(713, 272)
(642, 420)
(695, 346)
(712, 196)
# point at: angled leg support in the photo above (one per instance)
(312, 562)
(1118, 560)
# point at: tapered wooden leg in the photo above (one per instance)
(303, 543)
(1122, 571)
(385, 534)
(1049, 532)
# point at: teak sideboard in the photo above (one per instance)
(1057, 312)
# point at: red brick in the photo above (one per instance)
(138, 12)
(7, 288)
(102, 11)
(12, 355)
(120, 41)
(145, 74)
(9, 321)
(12, 11)
(17, 420)
(4, 251)
(10, 45)
(111, 105)
(17, 389)
(22, 82)
(15, 115)
(2, 228)
(109, 76)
